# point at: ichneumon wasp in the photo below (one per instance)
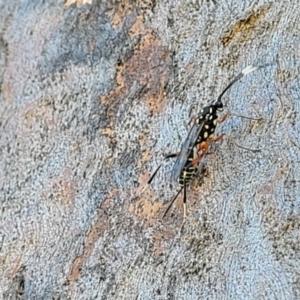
(197, 142)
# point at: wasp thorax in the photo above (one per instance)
(205, 112)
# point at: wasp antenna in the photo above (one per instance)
(249, 69)
(237, 78)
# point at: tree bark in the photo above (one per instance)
(92, 98)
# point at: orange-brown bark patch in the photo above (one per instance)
(148, 70)
(138, 28)
(119, 12)
(108, 131)
(34, 114)
(242, 30)
(146, 155)
(95, 232)
(143, 179)
(144, 208)
(111, 194)
(151, 65)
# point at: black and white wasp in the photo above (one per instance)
(197, 142)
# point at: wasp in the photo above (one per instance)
(197, 142)
(204, 126)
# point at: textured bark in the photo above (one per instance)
(92, 97)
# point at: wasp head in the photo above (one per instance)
(218, 106)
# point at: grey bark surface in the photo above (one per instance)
(93, 97)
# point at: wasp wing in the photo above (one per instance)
(186, 149)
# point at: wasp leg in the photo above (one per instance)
(218, 138)
(167, 210)
(244, 148)
(203, 148)
(245, 117)
(196, 161)
(153, 175)
(223, 119)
